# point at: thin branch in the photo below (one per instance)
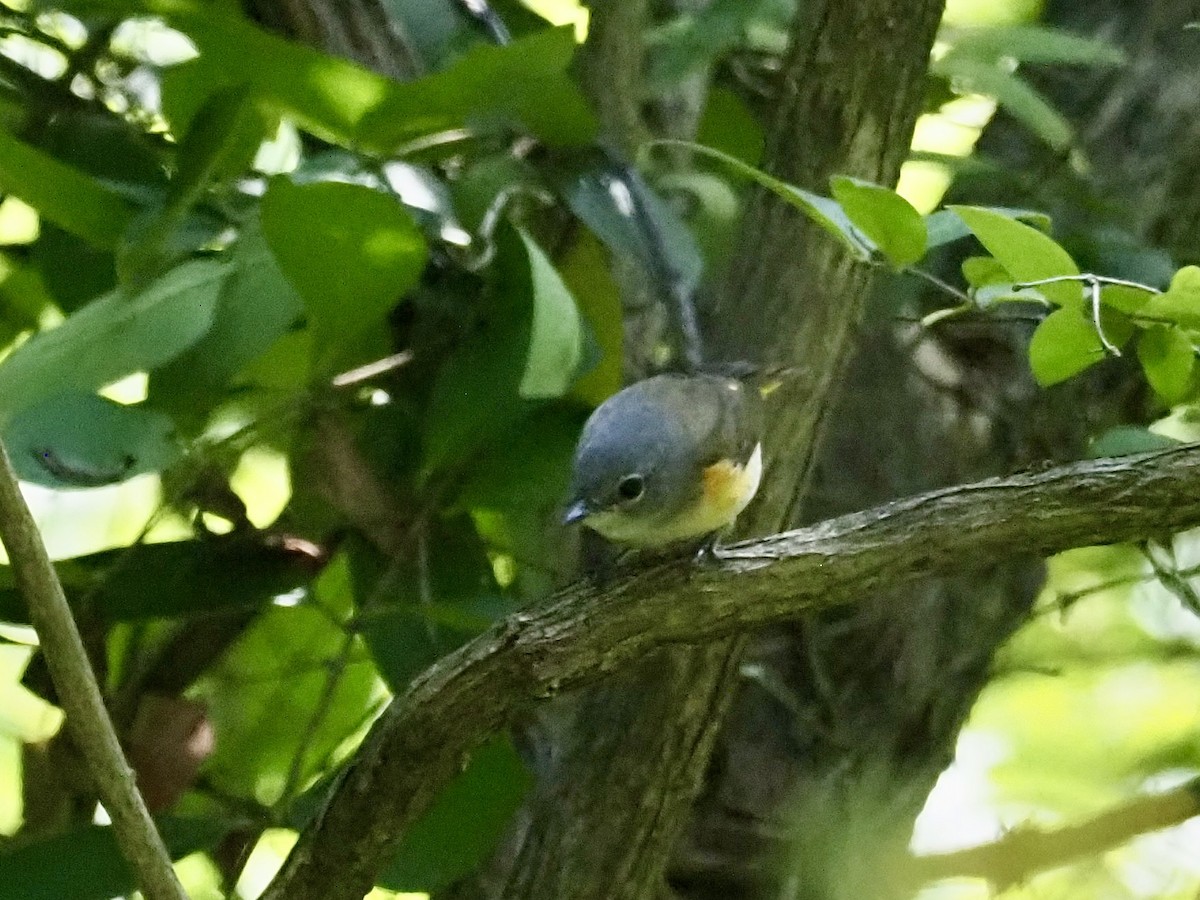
(1026, 851)
(422, 739)
(80, 695)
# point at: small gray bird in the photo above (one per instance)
(668, 459)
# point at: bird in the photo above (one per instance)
(669, 459)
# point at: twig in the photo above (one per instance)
(1026, 851)
(79, 693)
(419, 742)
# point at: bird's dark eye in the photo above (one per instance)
(631, 488)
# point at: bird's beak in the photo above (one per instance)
(576, 512)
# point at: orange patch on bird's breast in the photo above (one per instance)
(727, 486)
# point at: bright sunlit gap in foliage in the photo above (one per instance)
(562, 12)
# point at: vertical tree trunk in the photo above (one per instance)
(600, 825)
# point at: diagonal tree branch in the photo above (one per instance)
(423, 738)
(1024, 852)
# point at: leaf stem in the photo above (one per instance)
(80, 696)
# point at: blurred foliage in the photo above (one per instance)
(345, 331)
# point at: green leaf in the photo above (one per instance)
(1032, 44)
(1025, 252)
(1066, 343)
(528, 79)
(1012, 92)
(179, 578)
(65, 196)
(556, 333)
(477, 394)
(885, 217)
(76, 439)
(350, 252)
(464, 823)
(728, 125)
(945, 225)
(263, 718)
(350, 106)
(1168, 359)
(85, 862)
(1181, 301)
(221, 140)
(257, 305)
(981, 271)
(823, 211)
(1125, 440)
(529, 467)
(114, 336)
(220, 143)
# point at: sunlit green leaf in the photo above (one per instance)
(350, 252)
(884, 216)
(81, 205)
(1181, 301)
(352, 107)
(114, 336)
(1168, 359)
(945, 225)
(1066, 343)
(1025, 252)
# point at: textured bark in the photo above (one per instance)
(591, 632)
(657, 726)
(360, 30)
(856, 713)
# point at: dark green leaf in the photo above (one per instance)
(76, 439)
(528, 468)
(1025, 252)
(528, 80)
(65, 196)
(114, 336)
(350, 252)
(86, 864)
(464, 823)
(477, 392)
(1066, 343)
(73, 270)
(885, 217)
(183, 578)
(727, 125)
(1168, 359)
(221, 141)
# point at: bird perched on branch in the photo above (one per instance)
(669, 459)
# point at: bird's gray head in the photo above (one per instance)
(636, 466)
